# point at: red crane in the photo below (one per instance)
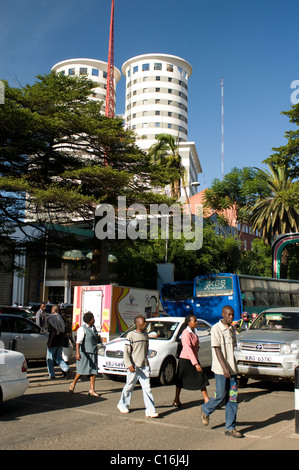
(109, 110)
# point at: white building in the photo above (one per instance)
(95, 70)
(157, 103)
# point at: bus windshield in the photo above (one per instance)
(177, 291)
(214, 286)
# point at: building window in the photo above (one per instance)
(157, 113)
(135, 69)
(157, 100)
(134, 116)
(71, 71)
(157, 90)
(158, 78)
(169, 68)
(169, 126)
(170, 79)
(157, 66)
(169, 90)
(95, 72)
(145, 102)
(169, 113)
(157, 124)
(144, 124)
(83, 71)
(105, 74)
(144, 113)
(145, 67)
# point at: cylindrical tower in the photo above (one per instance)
(95, 70)
(157, 97)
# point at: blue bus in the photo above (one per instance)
(206, 295)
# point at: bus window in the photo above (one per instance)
(295, 300)
(177, 291)
(261, 299)
(213, 286)
(248, 299)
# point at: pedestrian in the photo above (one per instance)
(223, 341)
(190, 375)
(41, 316)
(137, 365)
(56, 328)
(86, 353)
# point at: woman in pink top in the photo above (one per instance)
(190, 375)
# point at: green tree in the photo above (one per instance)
(166, 152)
(60, 158)
(235, 192)
(275, 213)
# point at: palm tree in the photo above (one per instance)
(278, 211)
(166, 152)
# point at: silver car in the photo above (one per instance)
(269, 349)
(27, 337)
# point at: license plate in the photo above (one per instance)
(258, 358)
(116, 364)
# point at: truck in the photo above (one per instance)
(114, 307)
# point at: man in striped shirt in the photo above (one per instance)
(137, 365)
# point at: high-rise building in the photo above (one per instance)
(95, 70)
(157, 103)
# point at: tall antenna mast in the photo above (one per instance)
(109, 110)
(222, 131)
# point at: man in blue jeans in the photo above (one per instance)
(223, 341)
(56, 328)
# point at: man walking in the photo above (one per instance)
(41, 316)
(56, 328)
(137, 365)
(223, 340)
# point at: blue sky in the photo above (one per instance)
(252, 44)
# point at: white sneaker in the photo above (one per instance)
(153, 415)
(123, 410)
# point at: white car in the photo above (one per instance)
(13, 375)
(164, 334)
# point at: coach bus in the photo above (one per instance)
(206, 295)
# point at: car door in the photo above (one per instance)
(205, 351)
(7, 335)
(30, 339)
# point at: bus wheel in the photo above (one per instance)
(167, 371)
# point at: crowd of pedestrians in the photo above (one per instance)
(189, 376)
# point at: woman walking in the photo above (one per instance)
(190, 375)
(86, 353)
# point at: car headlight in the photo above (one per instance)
(285, 349)
(295, 347)
(151, 353)
(238, 347)
(101, 351)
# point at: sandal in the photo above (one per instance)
(178, 405)
(72, 388)
(92, 393)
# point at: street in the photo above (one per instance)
(48, 417)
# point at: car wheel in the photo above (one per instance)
(167, 371)
(242, 382)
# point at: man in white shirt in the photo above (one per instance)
(223, 341)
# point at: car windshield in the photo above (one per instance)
(277, 321)
(162, 330)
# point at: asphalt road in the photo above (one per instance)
(48, 417)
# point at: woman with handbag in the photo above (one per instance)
(190, 375)
(86, 353)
